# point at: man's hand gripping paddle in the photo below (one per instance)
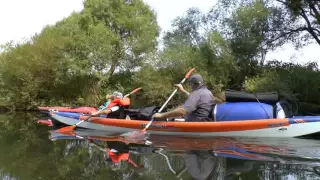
(140, 134)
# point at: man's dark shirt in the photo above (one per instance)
(199, 104)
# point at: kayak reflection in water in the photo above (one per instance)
(205, 165)
(115, 153)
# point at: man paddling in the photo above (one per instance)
(199, 104)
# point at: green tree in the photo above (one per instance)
(73, 60)
(296, 82)
(191, 44)
(289, 21)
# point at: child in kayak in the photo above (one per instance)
(115, 95)
(116, 102)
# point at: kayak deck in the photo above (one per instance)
(85, 109)
(288, 127)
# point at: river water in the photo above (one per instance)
(33, 151)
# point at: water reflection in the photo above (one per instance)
(204, 165)
(28, 153)
(214, 158)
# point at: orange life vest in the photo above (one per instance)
(119, 157)
(121, 102)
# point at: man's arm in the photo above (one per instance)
(191, 103)
(178, 112)
(189, 106)
(185, 92)
(180, 87)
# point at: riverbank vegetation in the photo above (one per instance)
(116, 45)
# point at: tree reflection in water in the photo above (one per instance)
(27, 153)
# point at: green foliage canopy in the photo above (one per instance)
(112, 45)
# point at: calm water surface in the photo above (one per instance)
(32, 151)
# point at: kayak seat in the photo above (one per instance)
(286, 107)
(282, 109)
(144, 113)
(120, 114)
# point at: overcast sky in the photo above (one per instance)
(23, 18)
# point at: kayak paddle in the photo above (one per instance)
(143, 131)
(71, 128)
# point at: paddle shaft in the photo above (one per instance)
(172, 94)
(90, 116)
(71, 128)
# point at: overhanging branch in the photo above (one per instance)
(310, 29)
(316, 30)
(282, 35)
(314, 9)
(285, 3)
(315, 14)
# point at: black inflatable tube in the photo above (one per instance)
(240, 96)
